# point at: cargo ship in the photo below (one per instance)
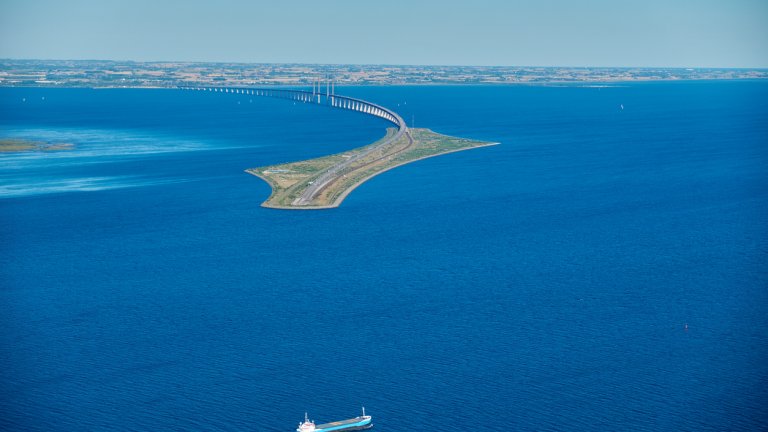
(353, 424)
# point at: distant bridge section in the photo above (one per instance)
(327, 98)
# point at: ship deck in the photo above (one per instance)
(340, 423)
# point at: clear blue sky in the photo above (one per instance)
(680, 33)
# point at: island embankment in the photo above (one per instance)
(294, 185)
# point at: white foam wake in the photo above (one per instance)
(78, 184)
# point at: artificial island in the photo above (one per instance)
(324, 182)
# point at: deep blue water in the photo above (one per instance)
(543, 284)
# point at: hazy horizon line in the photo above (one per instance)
(373, 64)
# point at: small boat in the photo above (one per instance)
(358, 423)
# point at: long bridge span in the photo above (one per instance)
(331, 99)
(328, 98)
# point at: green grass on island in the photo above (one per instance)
(291, 181)
(11, 145)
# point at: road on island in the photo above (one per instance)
(334, 171)
(366, 165)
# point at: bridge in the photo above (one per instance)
(328, 98)
(331, 99)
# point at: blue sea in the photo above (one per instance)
(605, 268)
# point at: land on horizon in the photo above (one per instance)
(108, 73)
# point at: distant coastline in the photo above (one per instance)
(119, 74)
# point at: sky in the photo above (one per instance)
(651, 33)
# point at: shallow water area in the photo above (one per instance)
(63, 171)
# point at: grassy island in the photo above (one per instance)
(11, 145)
(292, 183)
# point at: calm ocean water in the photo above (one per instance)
(602, 269)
